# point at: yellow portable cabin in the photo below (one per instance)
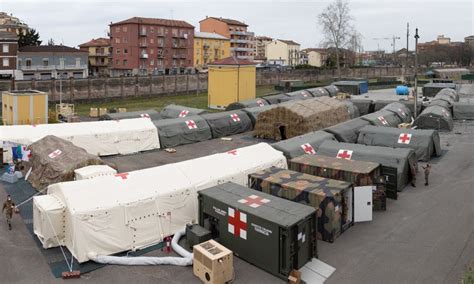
(24, 107)
(230, 80)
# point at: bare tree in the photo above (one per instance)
(335, 22)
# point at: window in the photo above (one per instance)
(125, 62)
(117, 51)
(125, 40)
(28, 62)
(6, 48)
(151, 41)
(125, 51)
(117, 40)
(152, 29)
(19, 63)
(45, 62)
(152, 62)
(152, 51)
(6, 62)
(124, 29)
(117, 62)
(78, 62)
(160, 62)
(197, 51)
(117, 29)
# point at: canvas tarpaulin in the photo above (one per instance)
(382, 118)
(94, 171)
(434, 117)
(150, 113)
(258, 102)
(464, 109)
(364, 106)
(175, 111)
(351, 109)
(300, 95)
(401, 110)
(253, 112)
(184, 130)
(426, 143)
(410, 104)
(403, 160)
(303, 144)
(347, 131)
(445, 98)
(295, 118)
(332, 90)
(133, 210)
(54, 160)
(99, 138)
(450, 92)
(276, 99)
(228, 123)
(318, 92)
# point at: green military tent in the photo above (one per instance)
(426, 143)
(398, 164)
(303, 144)
(382, 118)
(151, 113)
(347, 131)
(300, 95)
(434, 117)
(352, 109)
(183, 130)
(228, 123)
(318, 92)
(276, 99)
(401, 110)
(332, 90)
(258, 102)
(380, 104)
(450, 92)
(443, 100)
(464, 109)
(364, 106)
(175, 111)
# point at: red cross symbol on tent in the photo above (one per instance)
(55, 154)
(237, 223)
(145, 115)
(191, 124)
(404, 138)
(308, 149)
(382, 120)
(183, 113)
(235, 117)
(122, 176)
(260, 103)
(232, 152)
(344, 154)
(254, 201)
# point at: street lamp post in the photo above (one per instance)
(416, 71)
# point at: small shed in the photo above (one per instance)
(347, 131)
(228, 123)
(383, 118)
(434, 117)
(175, 111)
(318, 92)
(431, 89)
(401, 110)
(303, 144)
(24, 107)
(151, 113)
(352, 87)
(426, 143)
(230, 80)
(464, 109)
(258, 102)
(183, 130)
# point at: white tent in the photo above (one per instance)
(129, 211)
(100, 138)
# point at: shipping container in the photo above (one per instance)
(271, 233)
(431, 89)
(352, 87)
(333, 199)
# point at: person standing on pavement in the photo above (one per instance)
(427, 170)
(9, 206)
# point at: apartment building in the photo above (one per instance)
(99, 52)
(209, 47)
(261, 47)
(151, 46)
(8, 23)
(241, 40)
(52, 61)
(8, 55)
(314, 56)
(283, 52)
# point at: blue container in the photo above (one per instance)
(402, 90)
(364, 87)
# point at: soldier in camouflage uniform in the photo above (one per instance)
(9, 206)
(427, 170)
(326, 195)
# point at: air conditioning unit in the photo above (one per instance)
(213, 263)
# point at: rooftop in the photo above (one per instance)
(155, 21)
(228, 21)
(208, 35)
(289, 42)
(96, 42)
(320, 50)
(232, 61)
(7, 35)
(50, 48)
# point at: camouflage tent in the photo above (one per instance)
(300, 95)
(351, 108)
(183, 130)
(151, 113)
(276, 99)
(175, 111)
(295, 118)
(426, 143)
(435, 117)
(464, 109)
(258, 102)
(431, 89)
(347, 131)
(318, 92)
(410, 104)
(253, 112)
(398, 165)
(332, 90)
(303, 144)
(382, 118)
(401, 110)
(332, 198)
(228, 123)
(54, 160)
(364, 106)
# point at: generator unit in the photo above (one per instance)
(196, 234)
(213, 263)
(272, 233)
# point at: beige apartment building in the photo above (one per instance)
(283, 52)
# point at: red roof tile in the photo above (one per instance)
(96, 42)
(228, 21)
(154, 21)
(232, 61)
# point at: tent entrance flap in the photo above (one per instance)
(391, 183)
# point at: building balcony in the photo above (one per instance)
(143, 33)
(160, 34)
(160, 56)
(99, 54)
(248, 57)
(52, 67)
(241, 49)
(144, 56)
(100, 64)
(241, 33)
(245, 41)
(143, 44)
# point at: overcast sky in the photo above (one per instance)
(73, 22)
